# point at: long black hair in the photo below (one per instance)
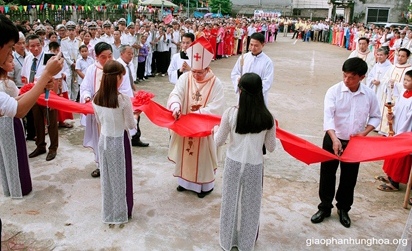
(253, 115)
(9, 31)
(106, 96)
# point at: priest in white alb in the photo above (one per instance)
(179, 63)
(393, 81)
(376, 75)
(365, 54)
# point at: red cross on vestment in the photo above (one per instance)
(197, 56)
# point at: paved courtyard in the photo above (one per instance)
(64, 210)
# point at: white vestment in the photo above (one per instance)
(261, 64)
(195, 157)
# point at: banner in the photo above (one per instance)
(359, 149)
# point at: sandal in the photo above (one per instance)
(387, 188)
(96, 173)
(382, 178)
(410, 201)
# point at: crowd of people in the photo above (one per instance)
(102, 62)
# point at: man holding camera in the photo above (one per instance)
(70, 49)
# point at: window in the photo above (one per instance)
(296, 12)
(377, 15)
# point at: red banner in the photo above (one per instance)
(359, 149)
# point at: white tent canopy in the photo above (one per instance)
(158, 3)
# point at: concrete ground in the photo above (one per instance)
(64, 210)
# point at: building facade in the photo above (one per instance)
(364, 11)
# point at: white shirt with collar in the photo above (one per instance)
(175, 64)
(95, 40)
(126, 87)
(28, 61)
(15, 74)
(348, 112)
(70, 49)
(175, 39)
(261, 64)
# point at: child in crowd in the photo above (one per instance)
(82, 63)
(64, 118)
(114, 115)
(143, 52)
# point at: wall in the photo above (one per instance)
(264, 3)
(396, 8)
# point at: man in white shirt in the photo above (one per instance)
(132, 40)
(175, 41)
(180, 62)
(107, 36)
(116, 44)
(350, 108)
(255, 61)
(151, 42)
(70, 49)
(376, 77)
(18, 58)
(365, 54)
(92, 26)
(126, 59)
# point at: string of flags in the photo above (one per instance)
(41, 7)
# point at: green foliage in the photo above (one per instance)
(222, 6)
(63, 2)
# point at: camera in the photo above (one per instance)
(47, 57)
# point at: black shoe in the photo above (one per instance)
(37, 152)
(31, 138)
(96, 173)
(180, 189)
(203, 194)
(51, 155)
(319, 216)
(151, 76)
(344, 218)
(139, 143)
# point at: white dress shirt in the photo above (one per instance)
(126, 86)
(261, 64)
(347, 112)
(28, 60)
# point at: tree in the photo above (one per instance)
(221, 6)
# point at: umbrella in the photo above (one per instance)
(208, 15)
(158, 3)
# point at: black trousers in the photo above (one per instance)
(347, 182)
(141, 69)
(29, 125)
(136, 137)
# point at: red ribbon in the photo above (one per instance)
(359, 149)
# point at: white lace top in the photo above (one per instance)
(113, 121)
(9, 87)
(245, 148)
